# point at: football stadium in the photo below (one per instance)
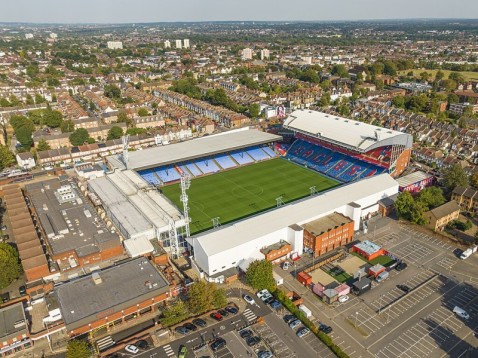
(252, 187)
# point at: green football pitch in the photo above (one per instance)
(241, 192)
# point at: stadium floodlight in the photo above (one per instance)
(185, 184)
(279, 201)
(215, 222)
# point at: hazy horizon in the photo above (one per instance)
(151, 11)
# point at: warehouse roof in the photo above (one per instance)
(196, 148)
(368, 247)
(12, 321)
(412, 178)
(354, 134)
(111, 290)
(327, 223)
(254, 227)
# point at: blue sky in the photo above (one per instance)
(117, 11)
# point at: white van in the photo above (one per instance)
(460, 312)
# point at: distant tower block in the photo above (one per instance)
(178, 44)
(167, 44)
(186, 43)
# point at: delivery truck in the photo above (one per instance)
(468, 252)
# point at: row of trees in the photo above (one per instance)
(412, 208)
(201, 297)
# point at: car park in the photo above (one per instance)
(131, 348)
(343, 298)
(401, 266)
(264, 354)
(232, 309)
(199, 322)
(190, 327)
(252, 341)
(218, 344)
(217, 316)
(143, 344)
(303, 332)
(249, 299)
(182, 330)
(294, 324)
(245, 333)
(404, 288)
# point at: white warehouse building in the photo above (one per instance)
(238, 244)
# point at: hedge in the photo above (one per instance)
(287, 303)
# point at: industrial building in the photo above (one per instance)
(14, 332)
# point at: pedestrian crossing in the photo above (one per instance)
(105, 343)
(169, 351)
(250, 316)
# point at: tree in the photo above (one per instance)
(259, 275)
(454, 176)
(43, 145)
(39, 98)
(115, 133)
(174, 313)
(340, 70)
(431, 197)
(204, 296)
(7, 158)
(409, 209)
(112, 91)
(143, 112)
(24, 136)
(474, 180)
(78, 349)
(10, 268)
(219, 298)
(254, 110)
(398, 101)
(67, 126)
(324, 100)
(439, 75)
(79, 136)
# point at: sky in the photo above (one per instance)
(136, 11)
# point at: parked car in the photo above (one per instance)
(289, 318)
(199, 322)
(218, 344)
(142, 344)
(249, 299)
(401, 266)
(294, 324)
(217, 316)
(276, 304)
(343, 298)
(286, 265)
(182, 330)
(268, 300)
(264, 354)
(245, 333)
(404, 288)
(22, 290)
(252, 341)
(182, 352)
(223, 312)
(460, 312)
(303, 332)
(324, 328)
(232, 309)
(131, 348)
(190, 327)
(5, 297)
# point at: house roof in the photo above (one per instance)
(445, 209)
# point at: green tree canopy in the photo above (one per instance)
(10, 268)
(431, 197)
(78, 349)
(24, 136)
(454, 176)
(112, 91)
(409, 209)
(115, 133)
(42, 145)
(254, 110)
(143, 112)
(174, 313)
(340, 70)
(7, 158)
(79, 136)
(52, 119)
(259, 275)
(67, 126)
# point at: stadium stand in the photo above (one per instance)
(269, 152)
(149, 176)
(207, 166)
(167, 174)
(193, 169)
(225, 161)
(242, 157)
(257, 154)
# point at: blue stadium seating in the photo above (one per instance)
(193, 169)
(334, 164)
(225, 161)
(207, 166)
(167, 174)
(242, 158)
(257, 154)
(270, 152)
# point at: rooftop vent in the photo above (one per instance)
(96, 278)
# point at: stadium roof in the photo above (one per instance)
(412, 178)
(346, 132)
(214, 242)
(192, 149)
